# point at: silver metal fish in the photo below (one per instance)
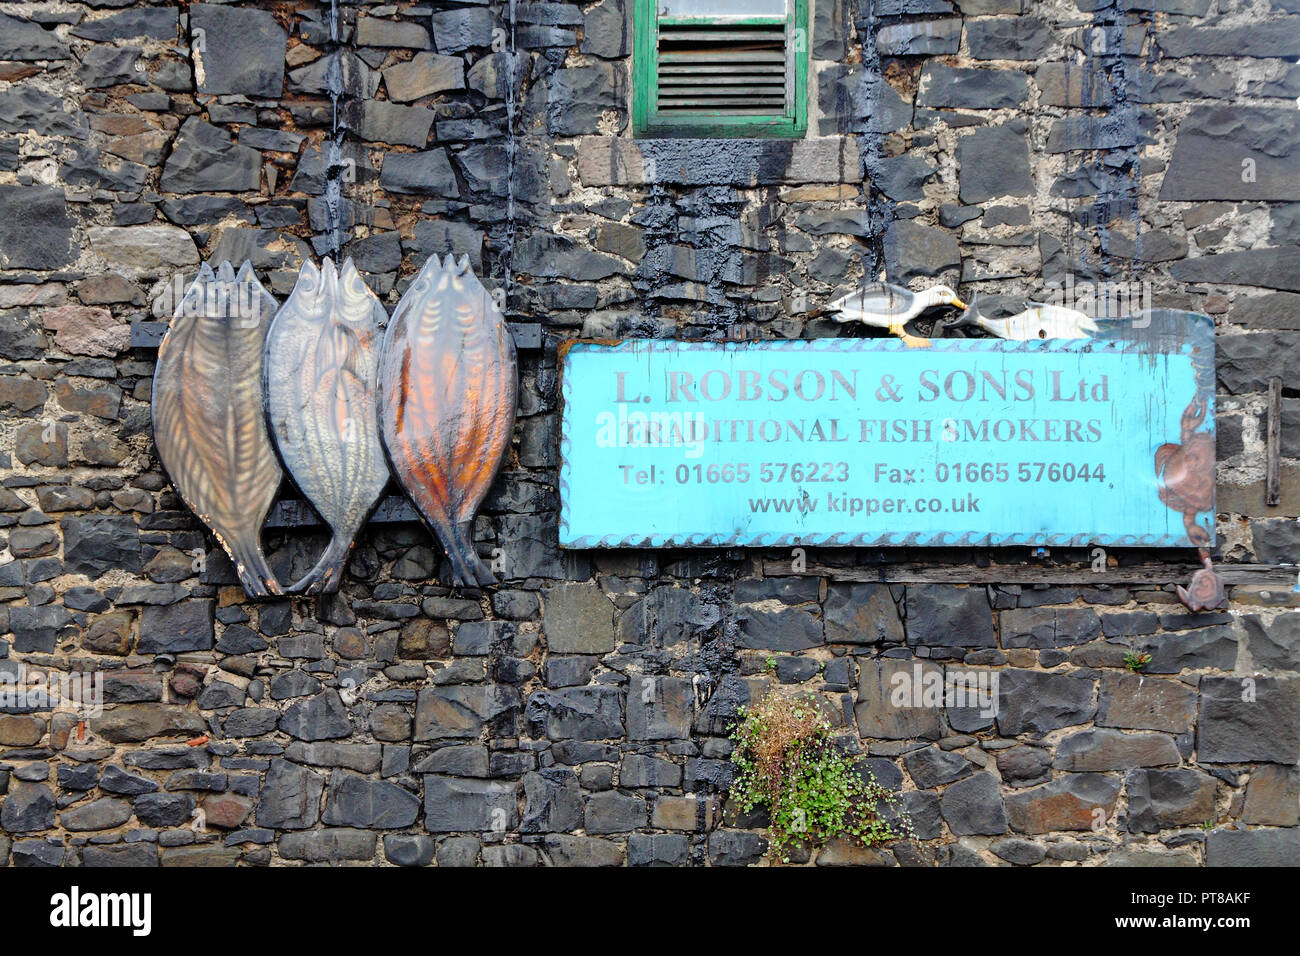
(322, 367)
(1038, 321)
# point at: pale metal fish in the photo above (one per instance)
(448, 382)
(1038, 321)
(322, 367)
(208, 419)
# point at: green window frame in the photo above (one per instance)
(673, 89)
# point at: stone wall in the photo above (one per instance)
(578, 713)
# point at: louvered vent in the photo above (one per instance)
(728, 70)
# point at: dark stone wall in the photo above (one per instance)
(579, 712)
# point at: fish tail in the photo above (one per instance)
(254, 573)
(468, 569)
(327, 575)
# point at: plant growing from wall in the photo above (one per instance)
(1136, 662)
(787, 762)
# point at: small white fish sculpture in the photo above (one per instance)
(1038, 321)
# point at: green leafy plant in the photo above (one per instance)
(786, 761)
(1136, 661)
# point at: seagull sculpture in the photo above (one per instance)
(1038, 321)
(890, 307)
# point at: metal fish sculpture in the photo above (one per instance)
(447, 384)
(1038, 321)
(208, 418)
(322, 392)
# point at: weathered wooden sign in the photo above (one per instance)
(869, 442)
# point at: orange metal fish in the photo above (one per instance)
(208, 418)
(448, 382)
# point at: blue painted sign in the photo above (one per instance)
(867, 442)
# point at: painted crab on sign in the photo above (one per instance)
(1186, 474)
